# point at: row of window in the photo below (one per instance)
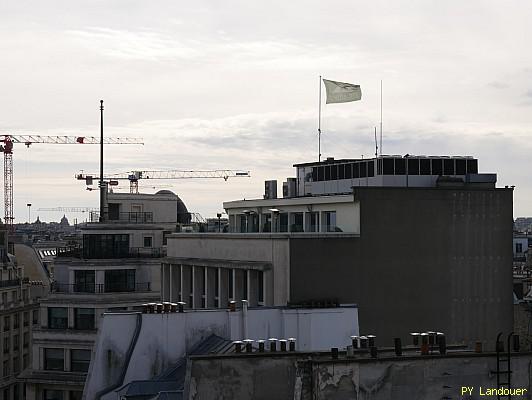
(6, 370)
(393, 166)
(288, 222)
(16, 342)
(15, 318)
(84, 318)
(54, 360)
(14, 296)
(116, 280)
(16, 389)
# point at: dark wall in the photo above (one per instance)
(426, 259)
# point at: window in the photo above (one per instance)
(413, 166)
(26, 339)
(356, 170)
(84, 318)
(165, 237)
(6, 373)
(25, 294)
(460, 167)
(4, 298)
(105, 246)
(327, 172)
(35, 317)
(329, 221)
(25, 361)
(84, 281)
(231, 286)
(296, 223)
(16, 321)
(348, 171)
(260, 289)
(54, 359)
(334, 172)
(424, 166)
(518, 247)
(321, 173)
(341, 171)
(472, 166)
(120, 280)
(7, 342)
(148, 241)
(216, 288)
(16, 365)
(7, 323)
(75, 395)
(388, 166)
(26, 318)
(57, 317)
(371, 168)
(400, 166)
(437, 166)
(14, 296)
(283, 222)
(448, 167)
(53, 394)
(312, 222)
(363, 169)
(245, 285)
(80, 360)
(16, 342)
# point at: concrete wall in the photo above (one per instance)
(446, 264)
(297, 378)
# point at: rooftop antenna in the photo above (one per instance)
(381, 121)
(319, 124)
(102, 185)
(376, 145)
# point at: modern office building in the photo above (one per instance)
(418, 242)
(115, 267)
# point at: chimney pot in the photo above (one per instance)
(238, 346)
(334, 353)
(273, 344)
(398, 347)
(181, 306)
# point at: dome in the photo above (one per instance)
(165, 192)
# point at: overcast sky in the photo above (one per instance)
(234, 84)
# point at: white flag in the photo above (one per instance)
(340, 92)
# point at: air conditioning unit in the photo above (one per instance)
(290, 187)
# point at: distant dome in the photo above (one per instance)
(64, 221)
(165, 192)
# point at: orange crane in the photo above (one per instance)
(134, 176)
(7, 149)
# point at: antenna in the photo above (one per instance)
(381, 119)
(376, 145)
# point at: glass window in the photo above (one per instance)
(448, 167)
(296, 222)
(413, 166)
(4, 298)
(26, 318)
(230, 284)
(7, 323)
(329, 221)
(363, 169)
(7, 344)
(388, 166)
(25, 361)
(148, 241)
(16, 342)
(356, 170)
(245, 284)
(120, 280)
(6, 373)
(437, 166)
(321, 173)
(283, 222)
(75, 395)
(57, 317)
(472, 166)
(312, 222)
(424, 166)
(105, 246)
(16, 365)
(54, 359)
(26, 339)
(35, 317)
(460, 167)
(84, 318)
(341, 171)
(260, 289)
(84, 281)
(266, 222)
(371, 168)
(53, 394)
(348, 171)
(16, 321)
(400, 166)
(327, 172)
(314, 174)
(334, 172)
(80, 360)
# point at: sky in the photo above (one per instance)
(235, 85)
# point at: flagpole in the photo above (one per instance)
(319, 125)
(381, 121)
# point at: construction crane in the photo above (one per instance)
(70, 209)
(7, 149)
(134, 176)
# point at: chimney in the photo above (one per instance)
(354, 342)
(415, 338)
(261, 345)
(249, 345)
(292, 344)
(238, 346)
(273, 344)
(282, 344)
(398, 347)
(181, 306)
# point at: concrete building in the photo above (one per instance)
(115, 267)
(138, 354)
(19, 314)
(458, 374)
(418, 242)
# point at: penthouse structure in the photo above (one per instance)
(419, 242)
